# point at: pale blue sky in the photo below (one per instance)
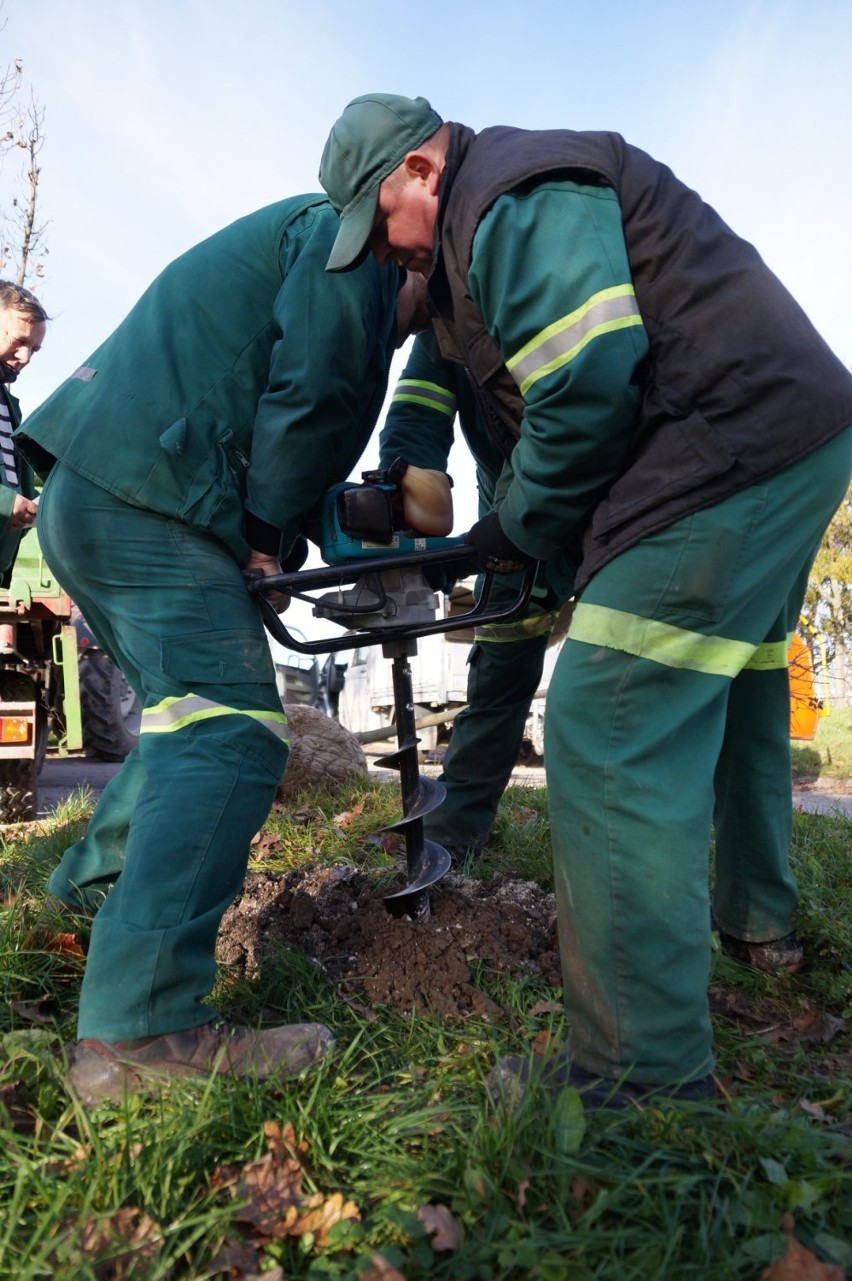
(169, 118)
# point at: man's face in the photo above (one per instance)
(412, 308)
(404, 229)
(20, 338)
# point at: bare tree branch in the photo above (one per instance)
(21, 130)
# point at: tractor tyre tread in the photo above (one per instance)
(105, 730)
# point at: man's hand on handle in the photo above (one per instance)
(261, 562)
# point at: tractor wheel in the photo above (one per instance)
(111, 711)
(18, 790)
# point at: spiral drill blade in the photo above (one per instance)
(426, 861)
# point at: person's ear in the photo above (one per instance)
(423, 167)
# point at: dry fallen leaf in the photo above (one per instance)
(388, 842)
(61, 944)
(264, 845)
(138, 1234)
(799, 1264)
(542, 1043)
(31, 1013)
(381, 1270)
(320, 1215)
(812, 1026)
(235, 1259)
(547, 1007)
(441, 1227)
(13, 1102)
(344, 819)
(271, 1190)
(524, 814)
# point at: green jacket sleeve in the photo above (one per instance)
(550, 275)
(419, 423)
(327, 377)
(431, 396)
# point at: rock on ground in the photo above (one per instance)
(322, 753)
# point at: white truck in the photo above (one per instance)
(439, 680)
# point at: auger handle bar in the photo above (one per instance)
(296, 584)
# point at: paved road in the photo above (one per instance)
(62, 776)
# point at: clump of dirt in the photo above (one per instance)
(337, 918)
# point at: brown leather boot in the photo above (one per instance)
(775, 956)
(109, 1069)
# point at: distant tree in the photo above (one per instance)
(828, 603)
(22, 248)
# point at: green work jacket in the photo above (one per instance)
(246, 379)
(10, 538)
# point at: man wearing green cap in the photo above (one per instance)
(186, 450)
(682, 432)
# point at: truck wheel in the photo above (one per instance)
(18, 790)
(111, 711)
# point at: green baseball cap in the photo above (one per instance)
(371, 138)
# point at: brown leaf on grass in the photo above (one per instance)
(319, 1215)
(14, 1103)
(524, 814)
(814, 1110)
(521, 1196)
(301, 817)
(799, 1264)
(381, 1270)
(389, 842)
(542, 1043)
(343, 820)
(363, 1010)
(283, 1143)
(136, 1233)
(441, 1227)
(264, 845)
(271, 1189)
(62, 944)
(70, 1164)
(735, 1005)
(30, 1013)
(811, 1026)
(236, 1260)
(546, 1007)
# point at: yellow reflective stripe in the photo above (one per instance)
(771, 655)
(603, 313)
(411, 391)
(659, 642)
(176, 713)
(522, 629)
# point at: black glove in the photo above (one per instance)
(296, 556)
(495, 553)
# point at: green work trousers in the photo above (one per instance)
(172, 831)
(669, 709)
(505, 666)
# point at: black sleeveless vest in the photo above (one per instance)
(739, 384)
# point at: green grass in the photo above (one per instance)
(829, 754)
(398, 1121)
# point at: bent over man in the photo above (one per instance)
(685, 434)
(187, 449)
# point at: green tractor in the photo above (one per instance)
(56, 684)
